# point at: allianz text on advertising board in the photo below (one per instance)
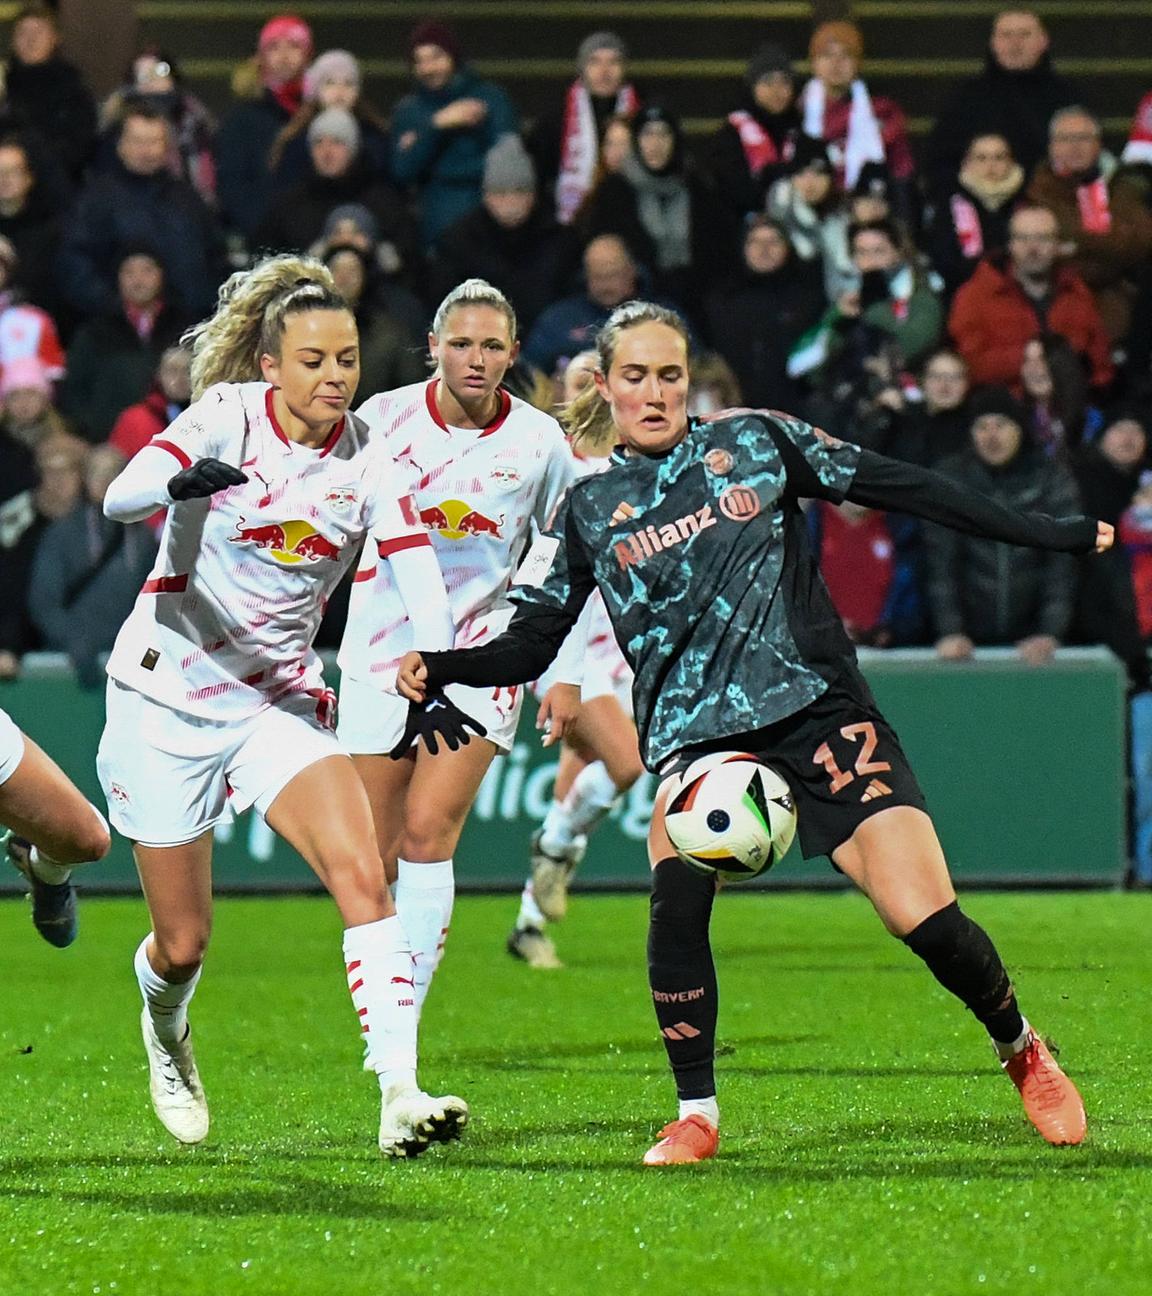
(518, 789)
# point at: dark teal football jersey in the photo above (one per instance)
(702, 558)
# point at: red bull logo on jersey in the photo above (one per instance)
(341, 498)
(455, 519)
(289, 543)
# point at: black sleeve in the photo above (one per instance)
(550, 590)
(523, 652)
(884, 483)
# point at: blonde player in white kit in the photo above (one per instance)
(487, 469)
(215, 692)
(48, 828)
(600, 759)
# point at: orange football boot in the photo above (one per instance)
(684, 1141)
(1052, 1102)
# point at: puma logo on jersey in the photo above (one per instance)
(653, 540)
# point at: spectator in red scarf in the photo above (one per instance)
(565, 144)
(168, 397)
(968, 218)
(1104, 220)
(269, 89)
(754, 146)
(858, 127)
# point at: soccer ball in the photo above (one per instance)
(731, 815)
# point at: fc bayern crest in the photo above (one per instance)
(718, 461)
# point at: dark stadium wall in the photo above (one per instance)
(100, 38)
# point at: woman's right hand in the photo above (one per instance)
(411, 677)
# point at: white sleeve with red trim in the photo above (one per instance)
(142, 487)
(402, 540)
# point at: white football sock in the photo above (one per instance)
(529, 915)
(424, 898)
(166, 1001)
(378, 961)
(590, 798)
(706, 1107)
(1009, 1050)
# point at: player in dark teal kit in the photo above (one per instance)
(696, 539)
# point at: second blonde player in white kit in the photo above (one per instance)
(487, 471)
(216, 695)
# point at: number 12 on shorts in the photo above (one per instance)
(863, 733)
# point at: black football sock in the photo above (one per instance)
(682, 974)
(961, 956)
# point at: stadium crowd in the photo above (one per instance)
(981, 304)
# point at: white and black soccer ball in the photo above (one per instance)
(731, 814)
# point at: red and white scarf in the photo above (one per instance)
(1095, 207)
(759, 147)
(580, 146)
(865, 143)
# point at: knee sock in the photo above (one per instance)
(166, 1001)
(590, 798)
(961, 956)
(424, 897)
(682, 976)
(529, 915)
(378, 961)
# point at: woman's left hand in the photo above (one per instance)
(558, 711)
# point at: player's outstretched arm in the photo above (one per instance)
(148, 483)
(885, 483)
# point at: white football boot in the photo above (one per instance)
(177, 1094)
(411, 1120)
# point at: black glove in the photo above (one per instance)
(436, 717)
(205, 477)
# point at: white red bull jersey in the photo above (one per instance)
(480, 493)
(225, 622)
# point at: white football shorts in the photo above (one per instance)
(11, 747)
(371, 722)
(168, 776)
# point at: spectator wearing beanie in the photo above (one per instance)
(565, 142)
(167, 398)
(857, 126)
(512, 239)
(338, 176)
(27, 414)
(983, 592)
(754, 146)
(442, 131)
(392, 282)
(332, 81)
(268, 89)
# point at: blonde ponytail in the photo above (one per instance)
(587, 418)
(249, 318)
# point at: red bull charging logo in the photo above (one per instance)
(288, 543)
(456, 519)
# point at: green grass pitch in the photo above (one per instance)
(869, 1143)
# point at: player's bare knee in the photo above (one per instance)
(428, 838)
(177, 956)
(624, 773)
(358, 882)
